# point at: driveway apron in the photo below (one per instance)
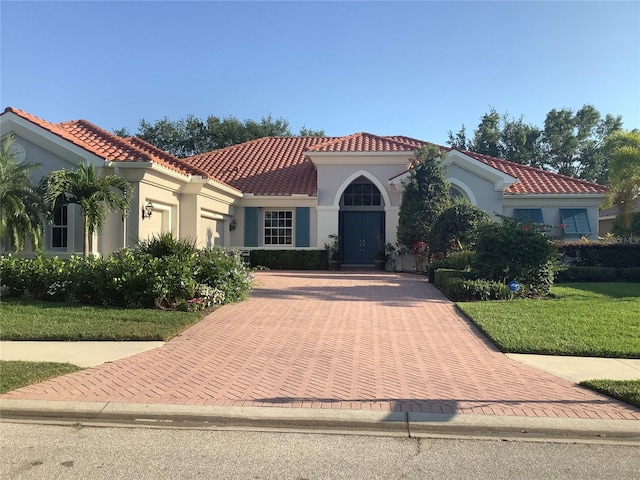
(341, 340)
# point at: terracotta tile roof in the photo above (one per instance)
(266, 166)
(365, 142)
(109, 146)
(535, 181)
(279, 165)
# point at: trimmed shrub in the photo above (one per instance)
(462, 290)
(290, 259)
(597, 274)
(619, 255)
(443, 276)
(460, 260)
(456, 227)
(511, 250)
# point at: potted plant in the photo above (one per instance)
(380, 260)
(333, 252)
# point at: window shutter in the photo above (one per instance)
(251, 226)
(528, 215)
(576, 221)
(302, 227)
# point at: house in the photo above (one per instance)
(286, 192)
(607, 216)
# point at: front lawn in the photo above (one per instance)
(35, 320)
(14, 374)
(585, 319)
(627, 391)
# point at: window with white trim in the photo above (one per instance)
(59, 229)
(278, 227)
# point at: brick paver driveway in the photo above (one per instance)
(349, 340)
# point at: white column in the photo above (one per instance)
(328, 223)
(391, 223)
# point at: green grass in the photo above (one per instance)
(585, 319)
(627, 391)
(15, 374)
(34, 320)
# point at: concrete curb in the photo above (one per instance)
(319, 420)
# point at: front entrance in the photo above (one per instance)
(363, 236)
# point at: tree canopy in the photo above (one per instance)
(191, 136)
(571, 143)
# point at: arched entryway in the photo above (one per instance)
(362, 222)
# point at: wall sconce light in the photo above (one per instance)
(147, 210)
(232, 225)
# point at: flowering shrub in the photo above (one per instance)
(510, 250)
(131, 278)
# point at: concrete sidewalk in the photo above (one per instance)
(82, 354)
(90, 354)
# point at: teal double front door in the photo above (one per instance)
(362, 236)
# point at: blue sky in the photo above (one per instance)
(390, 68)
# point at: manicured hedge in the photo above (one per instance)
(290, 259)
(461, 290)
(619, 255)
(597, 274)
(462, 286)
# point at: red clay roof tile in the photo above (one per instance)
(279, 165)
(106, 145)
(266, 166)
(535, 181)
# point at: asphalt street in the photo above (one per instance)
(50, 452)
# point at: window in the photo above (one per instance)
(59, 228)
(528, 215)
(455, 193)
(575, 221)
(278, 227)
(361, 194)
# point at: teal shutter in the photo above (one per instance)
(576, 221)
(528, 215)
(251, 226)
(303, 224)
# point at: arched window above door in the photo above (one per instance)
(361, 192)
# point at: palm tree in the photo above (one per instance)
(97, 196)
(624, 171)
(21, 207)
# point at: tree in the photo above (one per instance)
(573, 141)
(191, 136)
(21, 207)
(570, 143)
(624, 172)
(425, 197)
(97, 196)
(308, 132)
(502, 136)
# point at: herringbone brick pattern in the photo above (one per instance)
(348, 340)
